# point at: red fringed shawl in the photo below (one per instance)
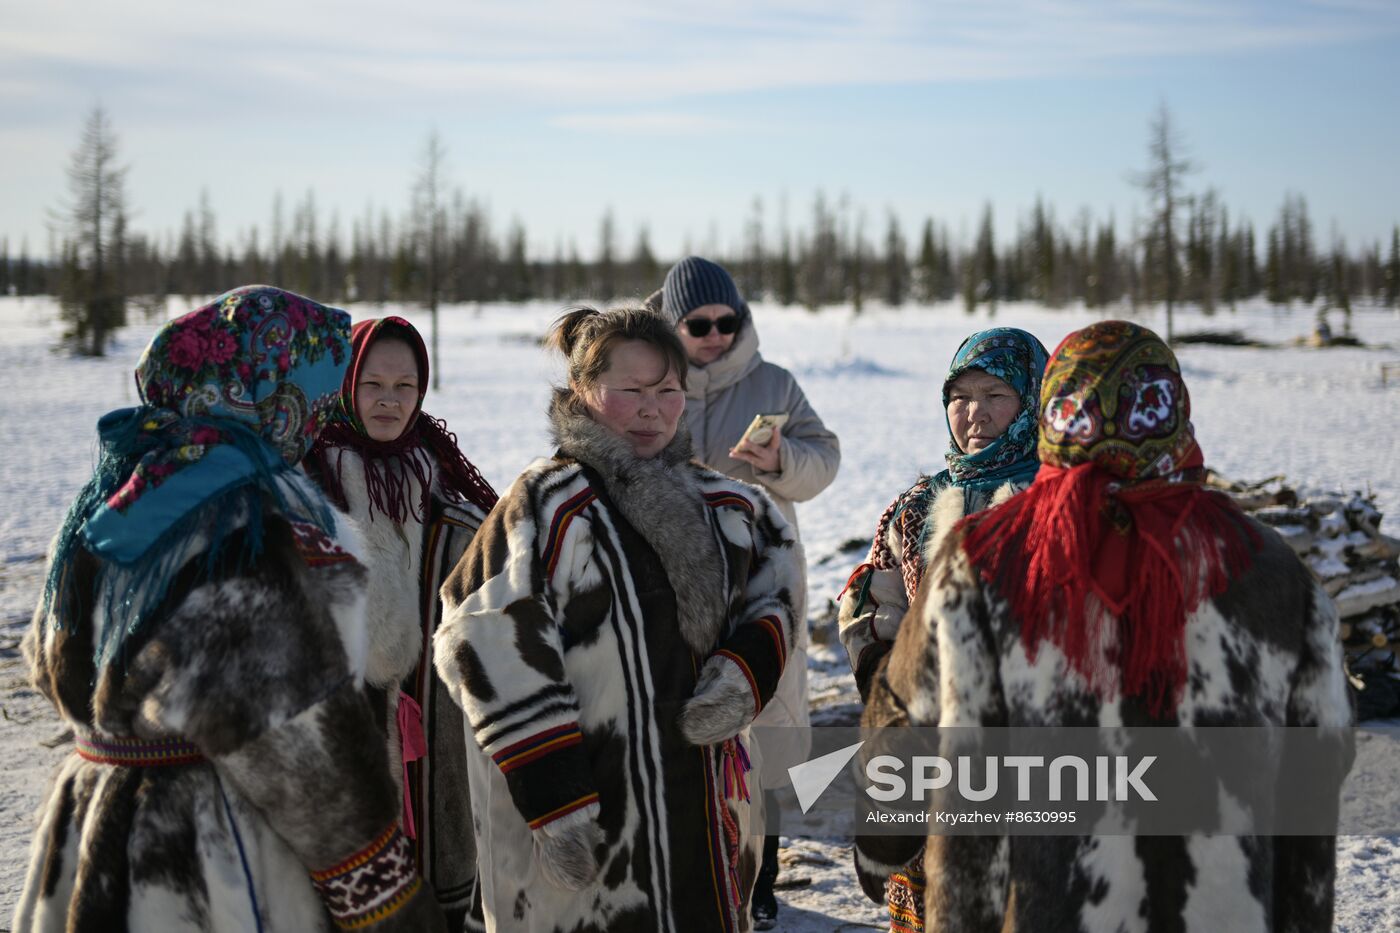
(1115, 512)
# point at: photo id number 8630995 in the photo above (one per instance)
(1006, 816)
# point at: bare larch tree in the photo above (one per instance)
(1163, 181)
(93, 223)
(430, 231)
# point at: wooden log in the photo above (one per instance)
(1332, 525)
(1251, 496)
(1380, 547)
(1253, 501)
(1277, 515)
(1335, 585)
(1363, 597)
(1299, 539)
(1215, 481)
(1370, 646)
(1325, 505)
(1363, 515)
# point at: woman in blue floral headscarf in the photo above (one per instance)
(991, 401)
(202, 633)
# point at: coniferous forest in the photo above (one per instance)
(443, 246)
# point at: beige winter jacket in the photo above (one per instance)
(722, 398)
(720, 401)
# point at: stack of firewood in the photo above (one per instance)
(1339, 536)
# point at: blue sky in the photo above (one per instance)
(678, 116)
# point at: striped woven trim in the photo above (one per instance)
(565, 514)
(718, 874)
(372, 884)
(719, 499)
(748, 674)
(362, 857)
(537, 746)
(775, 632)
(565, 810)
(136, 753)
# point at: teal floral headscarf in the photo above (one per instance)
(1018, 359)
(233, 395)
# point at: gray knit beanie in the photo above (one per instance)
(693, 283)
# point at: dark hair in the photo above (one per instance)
(586, 337)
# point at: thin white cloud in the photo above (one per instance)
(1368, 7)
(565, 54)
(654, 123)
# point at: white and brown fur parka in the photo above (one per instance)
(407, 563)
(260, 669)
(576, 629)
(1265, 652)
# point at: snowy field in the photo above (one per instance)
(1319, 417)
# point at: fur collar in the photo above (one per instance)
(661, 499)
(949, 507)
(394, 560)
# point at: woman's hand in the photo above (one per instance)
(763, 458)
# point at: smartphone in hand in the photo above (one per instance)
(760, 429)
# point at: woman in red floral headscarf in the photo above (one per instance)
(1118, 591)
(399, 473)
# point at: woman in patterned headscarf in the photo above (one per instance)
(417, 500)
(202, 632)
(1118, 590)
(991, 397)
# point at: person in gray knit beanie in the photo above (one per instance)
(728, 383)
(694, 283)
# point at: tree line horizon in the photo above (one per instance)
(445, 248)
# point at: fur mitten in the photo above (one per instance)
(565, 849)
(721, 706)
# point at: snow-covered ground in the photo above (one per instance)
(1320, 417)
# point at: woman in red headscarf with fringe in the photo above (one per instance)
(1118, 591)
(398, 472)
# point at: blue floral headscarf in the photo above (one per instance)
(233, 395)
(1018, 359)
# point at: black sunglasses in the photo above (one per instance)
(700, 326)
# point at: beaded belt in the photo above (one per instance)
(136, 753)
